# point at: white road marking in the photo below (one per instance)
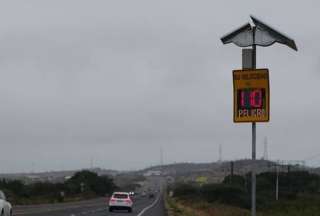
(150, 206)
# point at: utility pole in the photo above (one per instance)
(161, 160)
(220, 153)
(251, 98)
(231, 170)
(265, 149)
(249, 62)
(161, 156)
(254, 135)
(277, 182)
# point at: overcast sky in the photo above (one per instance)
(116, 80)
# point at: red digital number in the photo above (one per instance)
(256, 98)
(244, 98)
(251, 98)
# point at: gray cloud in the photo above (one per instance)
(115, 80)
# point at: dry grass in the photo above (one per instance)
(187, 208)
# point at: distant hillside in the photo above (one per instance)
(216, 171)
(239, 166)
(53, 176)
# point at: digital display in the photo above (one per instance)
(251, 98)
(251, 95)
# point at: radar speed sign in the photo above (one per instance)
(251, 95)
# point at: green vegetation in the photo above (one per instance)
(83, 184)
(177, 207)
(299, 194)
(89, 181)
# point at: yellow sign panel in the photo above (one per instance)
(251, 95)
(201, 180)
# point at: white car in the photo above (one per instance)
(120, 201)
(5, 206)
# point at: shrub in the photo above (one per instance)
(185, 190)
(224, 193)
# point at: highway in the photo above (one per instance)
(143, 206)
(96, 207)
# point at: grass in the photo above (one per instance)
(303, 206)
(186, 208)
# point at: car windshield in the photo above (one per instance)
(120, 196)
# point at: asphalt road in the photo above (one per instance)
(96, 207)
(143, 206)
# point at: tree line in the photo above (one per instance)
(82, 184)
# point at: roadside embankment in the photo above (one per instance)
(177, 207)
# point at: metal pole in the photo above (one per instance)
(231, 171)
(277, 183)
(250, 63)
(253, 173)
